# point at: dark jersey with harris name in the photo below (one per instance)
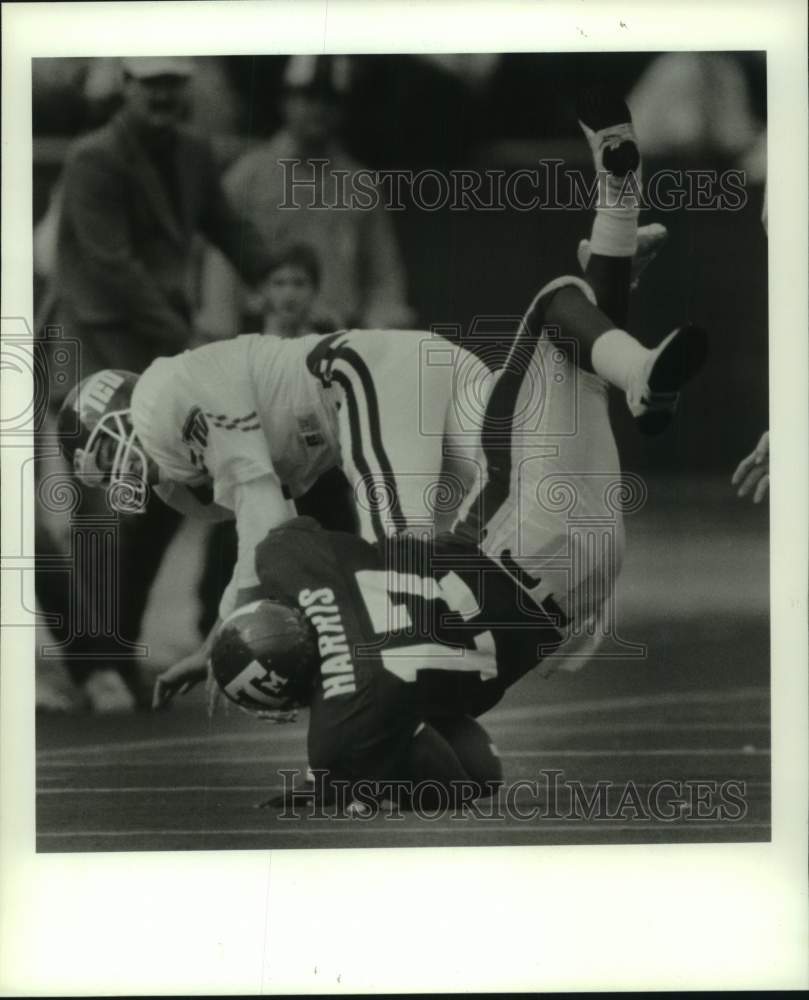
(414, 632)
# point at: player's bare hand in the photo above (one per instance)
(753, 473)
(181, 677)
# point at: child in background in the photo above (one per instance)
(289, 292)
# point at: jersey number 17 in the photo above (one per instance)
(390, 618)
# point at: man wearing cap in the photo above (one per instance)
(136, 193)
(305, 169)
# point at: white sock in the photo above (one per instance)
(616, 356)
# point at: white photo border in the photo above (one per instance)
(549, 918)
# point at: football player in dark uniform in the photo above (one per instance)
(394, 647)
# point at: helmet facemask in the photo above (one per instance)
(126, 475)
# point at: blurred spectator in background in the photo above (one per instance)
(71, 95)
(134, 194)
(426, 110)
(290, 292)
(696, 104)
(363, 282)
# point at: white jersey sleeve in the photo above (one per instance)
(197, 417)
(235, 411)
(260, 507)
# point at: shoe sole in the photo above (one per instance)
(676, 365)
(599, 109)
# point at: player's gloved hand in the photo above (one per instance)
(181, 677)
(753, 472)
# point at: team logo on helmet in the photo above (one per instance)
(263, 657)
(99, 440)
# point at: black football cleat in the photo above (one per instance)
(653, 394)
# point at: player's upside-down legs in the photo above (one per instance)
(555, 472)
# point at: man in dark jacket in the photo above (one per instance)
(135, 193)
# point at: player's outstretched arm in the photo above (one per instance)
(185, 674)
(753, 473)
(179, 678)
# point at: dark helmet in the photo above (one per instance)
(264, 657)
(99, 441)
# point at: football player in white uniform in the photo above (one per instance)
(235, 429)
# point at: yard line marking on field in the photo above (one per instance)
(664, 699)
(189, 761)
(296, 731)
(287, 733)
(604, 754)
(355, 826)
(156, 789)
(631, 727)
(183, 789)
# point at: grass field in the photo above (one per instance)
(694, 591)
